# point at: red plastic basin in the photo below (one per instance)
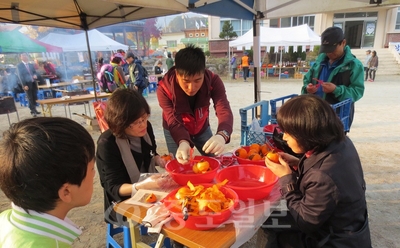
(248, 181)
(248, 161)
(181, 174)
(203, 222)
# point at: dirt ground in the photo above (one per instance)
(375, 133)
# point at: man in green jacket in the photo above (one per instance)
(341, 73)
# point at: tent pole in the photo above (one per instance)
(91, 65)
(280, 66)
(65, 65)
(256, 58)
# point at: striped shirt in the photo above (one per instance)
(20, 229)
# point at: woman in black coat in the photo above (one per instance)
(325, 189)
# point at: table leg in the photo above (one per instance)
(47, 110)
(135, 235)
(160, 241)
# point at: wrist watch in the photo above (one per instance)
(224, 134)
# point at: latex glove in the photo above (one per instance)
(152, 182)
(183, 152)
(215, 145)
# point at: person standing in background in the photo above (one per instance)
(373, 66)
(340, 71)
(158, 70)
(169, 61)
(28, 75)
(245, 66)
(366, 63)
(234, 66)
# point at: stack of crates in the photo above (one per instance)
(265, 113)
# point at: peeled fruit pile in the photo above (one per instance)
(151, 198)
(256, 152)
(201, 167)
(200, 200)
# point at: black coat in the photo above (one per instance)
(111, 168)
(331, 197)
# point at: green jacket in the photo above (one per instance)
(348, 78)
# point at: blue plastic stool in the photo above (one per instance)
(10, 93)
(22, 99)
(145, 93)
(58, 94)
(152, 87)
(40, 95)
(111, 231)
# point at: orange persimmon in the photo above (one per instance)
(241, 153)
(151, 198)
(273, 156)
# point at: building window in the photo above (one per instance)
(203, 34)
(172, 43)
(197, 35)
(398, 19)
(293, 21)
(190, 35)
(239, 26)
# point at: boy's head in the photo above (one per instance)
(46, 161)
(190, 64)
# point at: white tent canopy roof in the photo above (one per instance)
(77, 42)
(293, 36)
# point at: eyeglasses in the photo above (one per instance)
(140, 121)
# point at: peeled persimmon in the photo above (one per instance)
(151, 198)
(241, 153)
(273, 156)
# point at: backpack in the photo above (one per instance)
(106, 80)
(142, 72)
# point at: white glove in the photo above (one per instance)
(215, 145)
(183, 152)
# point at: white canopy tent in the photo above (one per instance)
(280, 37)
(77, 42)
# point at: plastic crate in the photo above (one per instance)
(276, 103)
(260, 111)
(343, 111)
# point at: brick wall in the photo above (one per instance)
(392, 37)
(218, 48)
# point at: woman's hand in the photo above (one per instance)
(290, 160)
(279, 169)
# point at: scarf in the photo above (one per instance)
(125, 145)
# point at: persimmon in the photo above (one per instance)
(201, 167)
(273, 156)
(166, 157)
(255, 147)
(251, 152)
(241, 153)
(264, 149)
(255, 157)
(151, 198)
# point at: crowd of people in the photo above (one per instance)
(324, 188)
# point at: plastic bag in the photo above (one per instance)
(99, 109)
(255, 126)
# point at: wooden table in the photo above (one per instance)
(242, 225)
(47, 104)
(64, 84)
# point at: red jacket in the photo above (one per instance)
(181, 121)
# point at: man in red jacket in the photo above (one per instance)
(184, 95)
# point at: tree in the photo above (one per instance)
(150, 31)
(227, 31)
